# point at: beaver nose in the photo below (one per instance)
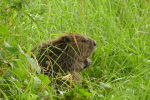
(94, 43)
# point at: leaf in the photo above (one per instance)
(44, 79)
(20, 73)
(105, 86)
(3, 29)
(19, 85)
(3, 93)
(6, 44)
(37, 81)
(69, 94)
(2, 55)
(20, 49)
(10, 48)
(84, 93)
(32, 62)
(33, 96)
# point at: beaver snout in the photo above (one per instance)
(94, 43)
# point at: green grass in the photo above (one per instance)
(121, 61)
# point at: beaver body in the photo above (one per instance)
(66, 54)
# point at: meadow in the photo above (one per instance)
(121, 61)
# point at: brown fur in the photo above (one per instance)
(67, 53)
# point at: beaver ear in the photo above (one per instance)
(66, 39)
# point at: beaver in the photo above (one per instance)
(67, 54)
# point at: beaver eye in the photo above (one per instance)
(83, 40)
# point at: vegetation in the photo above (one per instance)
(121, 62)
